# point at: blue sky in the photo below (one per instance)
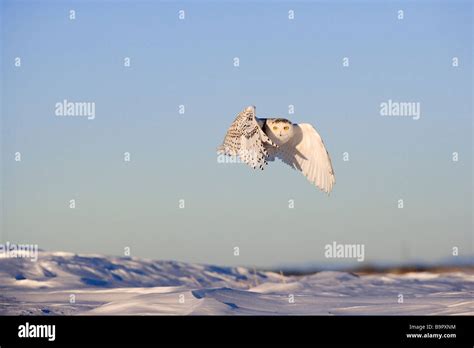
(190, 62)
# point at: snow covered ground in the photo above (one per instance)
(65, 283)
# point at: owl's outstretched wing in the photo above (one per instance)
(246, 139)
(305, 152)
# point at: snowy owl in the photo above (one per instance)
(258, 140)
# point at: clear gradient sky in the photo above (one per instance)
(173, 156)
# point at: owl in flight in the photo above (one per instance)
(259, 140)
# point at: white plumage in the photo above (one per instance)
(257, 141)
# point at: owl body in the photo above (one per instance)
(259, 140)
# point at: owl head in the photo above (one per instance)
(279, 130)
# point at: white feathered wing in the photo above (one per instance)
(306, 152)
(246, 139)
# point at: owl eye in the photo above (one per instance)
(286, 127)
(275, 127)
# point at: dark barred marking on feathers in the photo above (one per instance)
(281, 120)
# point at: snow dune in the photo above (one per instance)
(64, 284)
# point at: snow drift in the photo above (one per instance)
(65, 283)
